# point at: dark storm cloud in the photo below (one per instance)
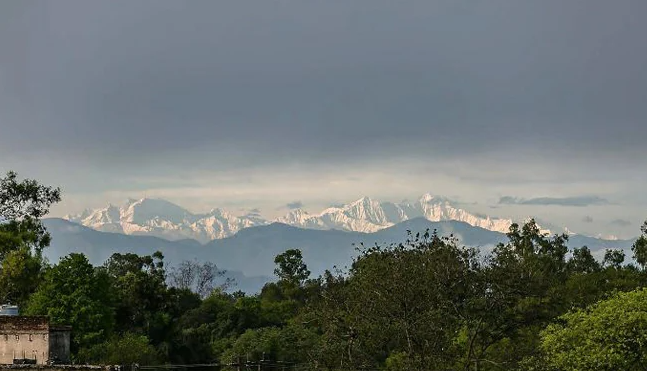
(580, 201)
(294, 205)
(131, 81)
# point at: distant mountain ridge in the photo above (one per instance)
(249, 254)
(367, 215)
(160, 218)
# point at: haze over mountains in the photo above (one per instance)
(245, 245)
(160, 218)
(248, 256)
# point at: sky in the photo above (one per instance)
(513, 108)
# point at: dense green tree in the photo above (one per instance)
(125, 349)
(26, 199)
(203, 332)
(139, 282)
(639, 248)
(75, 293)
(290, 267)
(610, 335)
(291, 344)
(144, 304)
(613, 258)
(519, 298)
(22, 204)
(583, 261)
(281, 300)
(400, 298)
(425, 304)
(583, 289)
(20, 274)
(22, 235)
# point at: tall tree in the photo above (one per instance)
(290, 267)
(22, 235)
(75, 293)
(293, 274)
(407, 298)
(142, 295)
(639, 248)
(20, 274)
(22, 205)
(583, 261)
(613, 258)
(517, 297)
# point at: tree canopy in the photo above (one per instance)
(427, 303)
(609, 335)
(22, 235)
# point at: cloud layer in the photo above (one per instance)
(258, 104)
(127, 80)
(578, 201)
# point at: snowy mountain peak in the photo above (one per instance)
(427, 197)
(298, 211)
(294, 217)
(364, 201)
(161, 218)
(141, 211)
(164, 219)
(367, 215)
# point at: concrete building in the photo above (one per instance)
(33, 338)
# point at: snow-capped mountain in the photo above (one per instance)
(163, 219)
(367, 215)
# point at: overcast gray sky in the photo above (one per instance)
(521, 107)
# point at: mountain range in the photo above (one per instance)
(160, 218)
(246, 245)
(248, 256)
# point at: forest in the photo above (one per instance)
(427, 303)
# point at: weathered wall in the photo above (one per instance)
(58, 368)
(12, 323)
(24, 337)
(23, 344)
(59, 345)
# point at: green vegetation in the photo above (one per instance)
(22, 235)
(73, 292)
(609, 335)
(424, 304)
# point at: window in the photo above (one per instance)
(30, 338)
(17, 337)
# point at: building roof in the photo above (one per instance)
(33, 323)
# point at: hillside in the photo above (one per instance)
(249, 254)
